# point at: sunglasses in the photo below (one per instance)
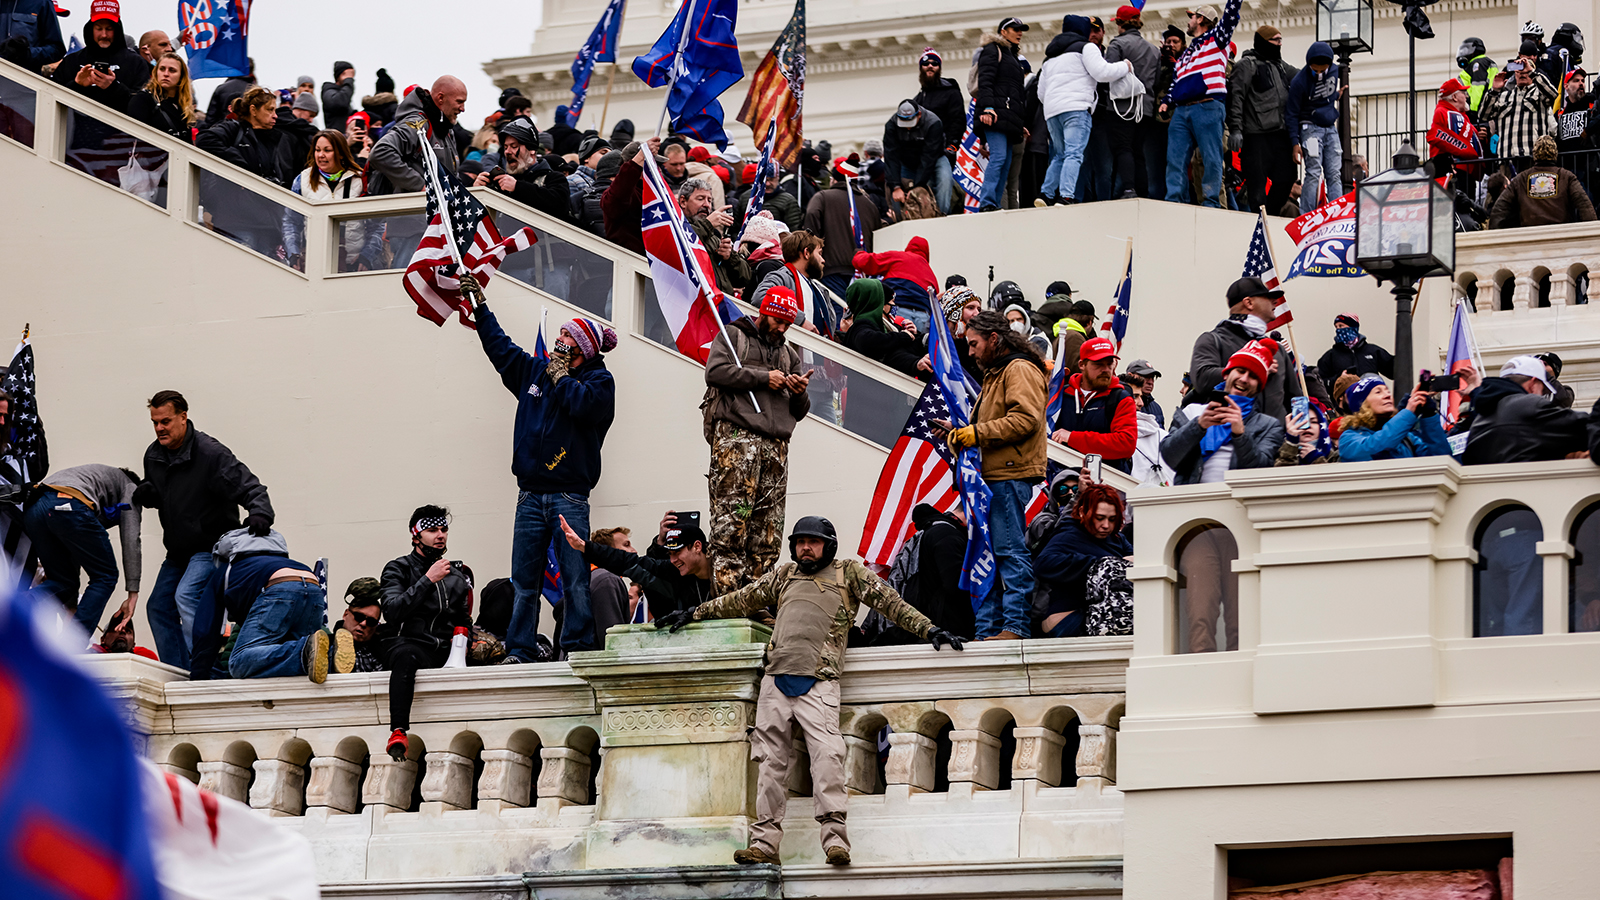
(364, 619)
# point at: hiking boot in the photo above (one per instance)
(754, 856)
(397, 745)
(511, 660)
(838, 856)
(314, 656)
(344, 651)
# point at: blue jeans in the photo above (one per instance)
(1007, 608)
(1195, 125)
(276, 628)
(68, 536)
(996, 174)
(535, 526)
(1325, 165)
(1069, 134)
(171, 606)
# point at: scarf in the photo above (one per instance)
(1255, 325)
(1319, 420)
(1217, 435)
(1347, 336)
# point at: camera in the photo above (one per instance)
(1438, 384)
(496, 172)
(1514, 67)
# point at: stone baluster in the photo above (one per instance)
(975, 758)
(564, 776)
(1488, 297)
(911, 758)
(335, 785)
(1097, 753)
(507, 778)
(1038, 756)
(389, 783)
(800, 768)
(448, 781)
(225, 780)
(1525, 293)
(860, 764)
(280, 788)
(1562, 292)
(191, 775)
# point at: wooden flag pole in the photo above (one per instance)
(1294, 350)
(606, 108)
(26, 328)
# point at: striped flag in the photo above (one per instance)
(1058, 384)
(1258, 262)
(777, 90)
(431, 279)
(1461, 356)
(551, 588)
(917, 471)
(24, 459)
(1116, 324)
(680, 268)
(970, 163)
(758, 188)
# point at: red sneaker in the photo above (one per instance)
(397, 745)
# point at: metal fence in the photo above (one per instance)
(1379, 124)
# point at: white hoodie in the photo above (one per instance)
(1067, 82)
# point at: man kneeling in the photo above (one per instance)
(278, 603)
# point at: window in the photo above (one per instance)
(1508, 579)
(1208, 591)
(1580, 286)
(1583, 573)
(1544, 291)
(1508, 289)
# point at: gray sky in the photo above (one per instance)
(415, 40)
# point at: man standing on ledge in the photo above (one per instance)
(565, 405)
(817, 597)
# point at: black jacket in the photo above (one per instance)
(253, 149)
(916, 149)
(1212, 351)
(164, 115)
(944, 99)
(1064, 562)
(892, 347)
(542, 188)
(420, 610)
(132, 72)
(939, 595)
(199, 489)
(338, 103)
(223, 97)
(295, 137)
(1511, 425)
(664, 588)
(1366, 358)
(1000, 79)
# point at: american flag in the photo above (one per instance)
(960, 394)
(777, 90)
(1258, 263)
(1116, 324)
(970, 162)
(917, 471)
(24, 457)
(764, 168)
(430, 279)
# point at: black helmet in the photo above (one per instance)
(1471, 48)
(1005, 294)
(1570, 37)
(816, 527)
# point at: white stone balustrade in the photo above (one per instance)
(449, 780)
(335, 785)
(280, 787)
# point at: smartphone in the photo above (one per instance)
(1091, 461)
(1438, 384)
(1514, 67)
(685, 519)
(1300, 406)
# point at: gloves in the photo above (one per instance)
(15, 49)
(258, 524)
(938, 635)
(675, 620)
(558, 367)
(1236, 141)
(146, 495)
(962, 438)
(384, 84)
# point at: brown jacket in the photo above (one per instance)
(728, 386)
(1542, 195)
(1009, 423)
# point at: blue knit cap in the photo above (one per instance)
(1356, 394)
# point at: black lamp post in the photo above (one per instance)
(1405, 231)
(1346, 26)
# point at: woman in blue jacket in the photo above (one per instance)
(1376, 431)
(1075, 553)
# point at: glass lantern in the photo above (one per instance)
(1405, 222)
(1346, 25)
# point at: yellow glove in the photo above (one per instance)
(962, 438)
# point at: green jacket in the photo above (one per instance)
(860, 586)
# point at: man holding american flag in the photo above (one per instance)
(1250, 307)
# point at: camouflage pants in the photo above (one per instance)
(749, 481)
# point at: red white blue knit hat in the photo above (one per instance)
(591, 337)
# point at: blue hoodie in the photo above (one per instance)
(559, 428)
(1313, 96)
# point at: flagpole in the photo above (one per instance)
(672, 83)
(1466, 316)
(1127, 273)
(1299, 370)
(605, 109)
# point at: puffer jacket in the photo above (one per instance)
(1404, 436)
(358, 243)
(1258, 93)
(1073, 68)
(944, 99)
(423, 611)
(1009, 421)
(1000, 78)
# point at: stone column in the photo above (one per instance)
(389, 783)
(1097, 753)
(1038, 756)
(335, 784)
(1562, 289)
(911, 758)
(1526, 292)
(280, 788)
(860, 765)
(225, 780)
(507, 777)
(564, 776)
(448, 781)
(975, 758)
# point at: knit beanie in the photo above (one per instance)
(1356, 394)
(591, 337)
(953, 300)
(1256, 357)
(779, 302)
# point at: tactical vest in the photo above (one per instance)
(807, 610)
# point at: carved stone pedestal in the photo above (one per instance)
(448, 780)
(507, 777)
(280, 788)
(911, 758)
(225, 780)
(389, 783)
(335, 785)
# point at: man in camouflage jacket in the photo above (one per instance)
(816, 597)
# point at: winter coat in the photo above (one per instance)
(163, 115)
(425, 612)
(1009, 420)
(938, 591)
(906, 272)
(396, 163)
(665, 589)
(1072, 70)
(1255, 449)
(1542, 195)
(728, 385)
(360, 243)
(781, 204)
(559, 427)
(1405, 435)
(890, 346)
(254, 150)
(1313, 96)
(917, 148)
(709, 177)
(1105, 424)
(199, 488)
(222, 98)
(731, 273)
(999, 88)
(1258, 94)
(1365, 358)
(36, 24)
(131, 71)
(1063, 564)
(295, 137)
(1145, 57)
(338, 103)
(1211, 353)
(944, 99)
(828, 216)
(622, 205)
(1511, 425)
(540, 187)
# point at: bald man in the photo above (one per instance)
(152, 44)
(396, 160)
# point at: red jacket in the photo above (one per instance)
(1453, 135)
(1119, 436)
(910, 264)
(622, 206)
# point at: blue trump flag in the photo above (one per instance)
(958, 389)
(601, 47)
(72, 818)
(698, 57)
(215, 33)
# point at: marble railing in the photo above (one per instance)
(1515, 270)
(638, 755)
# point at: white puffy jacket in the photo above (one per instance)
(1067, 82)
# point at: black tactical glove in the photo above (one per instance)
(675, 620)
(258, 524)
(146, 495)
(938, 635)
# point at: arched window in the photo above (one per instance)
(1583, 573)
(1508, 580)
(1580, 285)
(1208, 591)
(1508, 290)
(1544, 291)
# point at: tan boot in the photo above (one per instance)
(754, 856)
(838, 856)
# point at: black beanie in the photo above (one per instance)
(384, 84)
(1173, 31)
(340, 66)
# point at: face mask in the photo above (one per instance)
(1020, 327)
(1346, 336)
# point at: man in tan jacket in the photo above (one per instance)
(1009, 428)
